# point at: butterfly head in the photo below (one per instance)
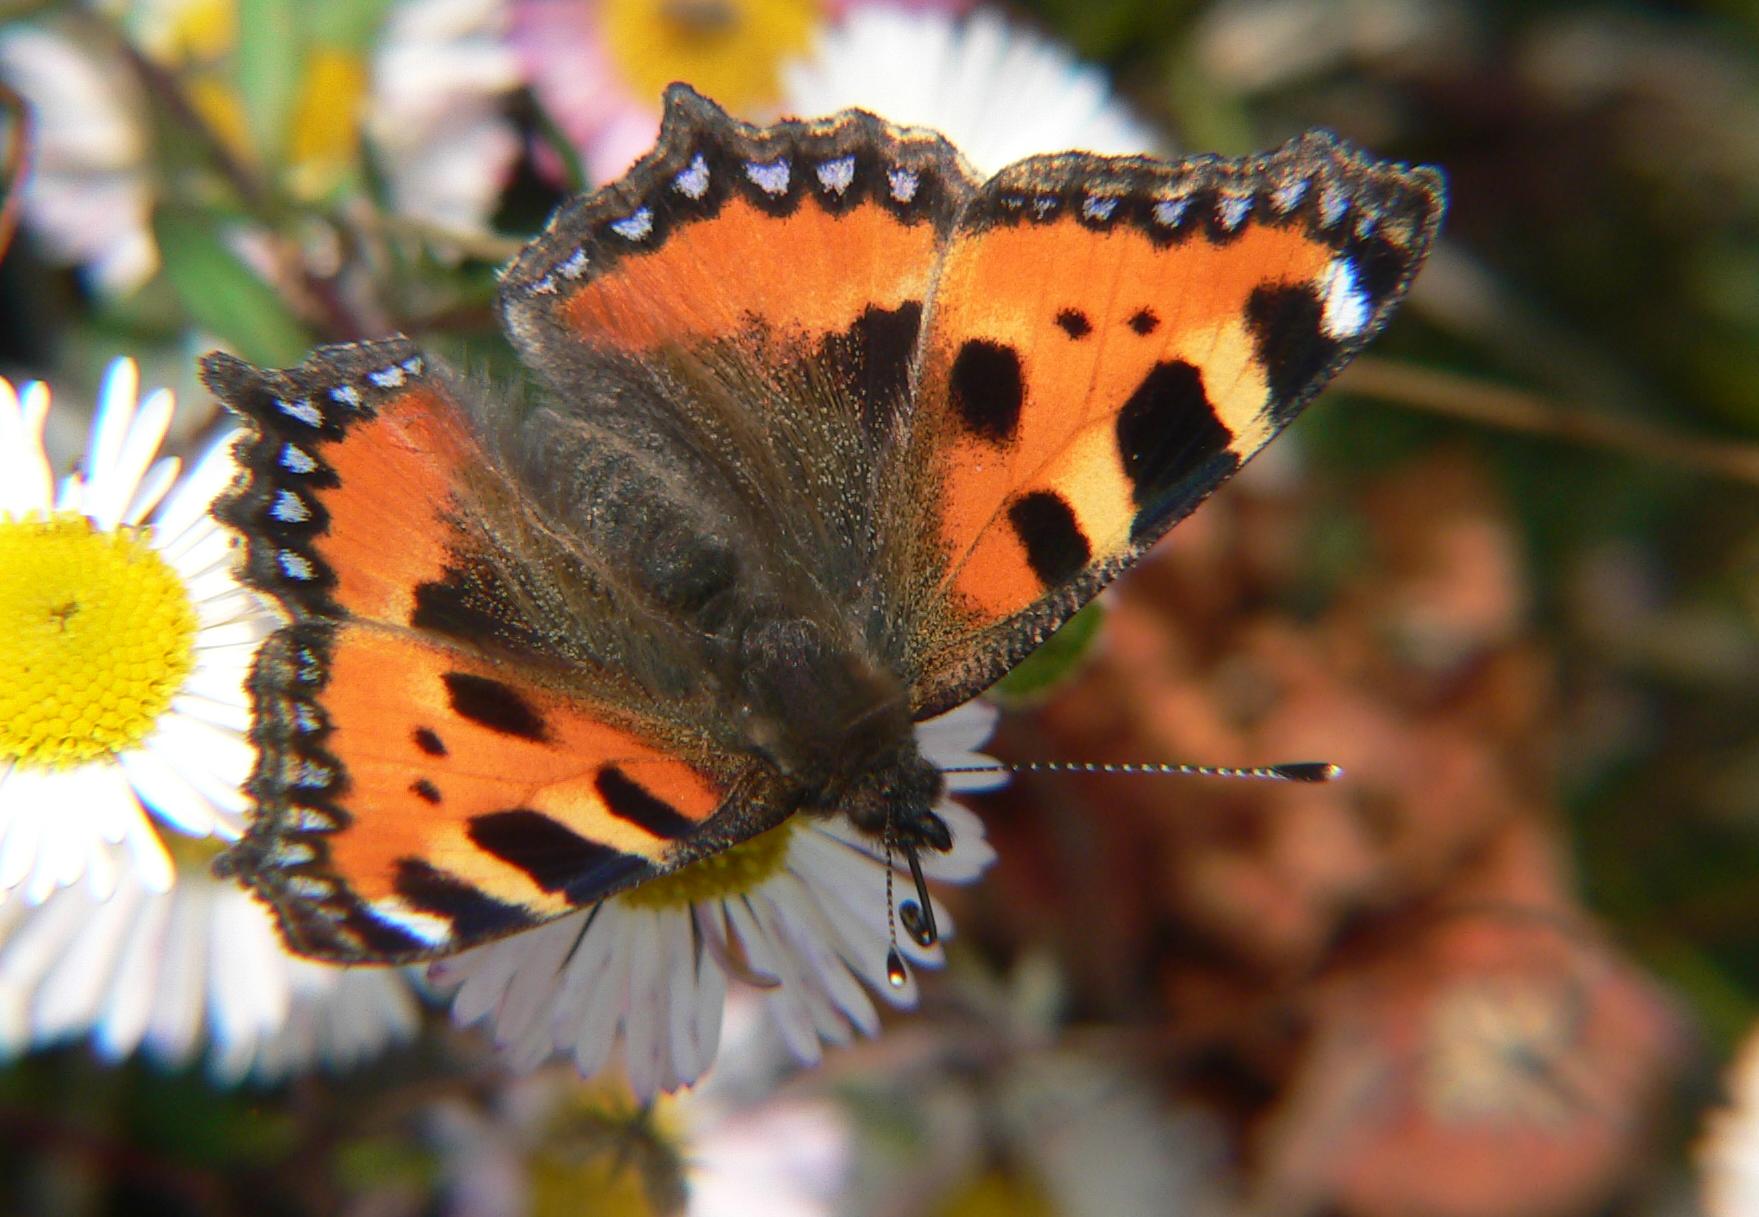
(837, 727)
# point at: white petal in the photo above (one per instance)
(815, 940)
(530, 996)
(174, 1024)
(69, 999)
(958, 732)
(136, 982)
(26, 485)
(602, 993)
(159, 479)
(164, 791)
(189, 502)
(643, 1019)
(107, 499)
(248, 977)
(785, 1002)
(117, 398)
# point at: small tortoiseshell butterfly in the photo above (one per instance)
(832, 434)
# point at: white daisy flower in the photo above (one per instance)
(125, 643)
(644, 975)
(166, 973)
(440, 75)
(996, 91)
(87, 196)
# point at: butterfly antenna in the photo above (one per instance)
(918, 914)
(897, 975)
(1293, 771)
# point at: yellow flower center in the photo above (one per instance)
(96, 635)
(732, 872)
(601, 1144)
(728, 49)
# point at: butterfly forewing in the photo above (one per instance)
(755, 295)
(1109, 340)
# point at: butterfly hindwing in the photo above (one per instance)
(414, 799)
(436, 766)
(1109, 339)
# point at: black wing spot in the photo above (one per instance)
(1075, 323)
(1166, 432)
(988, 389)
(425, 790)
(1285, 323)
(429, 741)
(557, 858)
(877, 352)
(1380, 268)
(1144, 321)
(1056, 548)
(499, 707)
(629, 800)
(473, 912)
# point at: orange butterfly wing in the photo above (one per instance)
(1108, 341)
(429, 774)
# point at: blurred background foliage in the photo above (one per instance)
(1507, 573)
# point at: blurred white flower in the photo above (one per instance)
(998, 92)
(441, 75)
(86, 196)
(169, 973)
(125, 641)
(732, 1150)
(644, 975)
(1728, 1155)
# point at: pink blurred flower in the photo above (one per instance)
(599, 66)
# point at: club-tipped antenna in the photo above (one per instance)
(1289, 771)
(897, 974)
(918, 914)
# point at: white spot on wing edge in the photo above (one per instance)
(1285, 199)
(426, 927)
(1169, 212)
(692, 180)
(296, 566)
(837, 176)
(297, 460)
(574, 265)
(289, 508)
(1099, 207)
(636, 225)
(771, 177)
(1345, 307)
(1232, 210)
(388, 378)
(302, 409)
(904, 183)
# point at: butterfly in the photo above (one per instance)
(828, 434)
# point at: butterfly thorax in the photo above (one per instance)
(836, 726)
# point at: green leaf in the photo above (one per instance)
(222, 294)
(269, 67)
(346, 25)
(1054, 661)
